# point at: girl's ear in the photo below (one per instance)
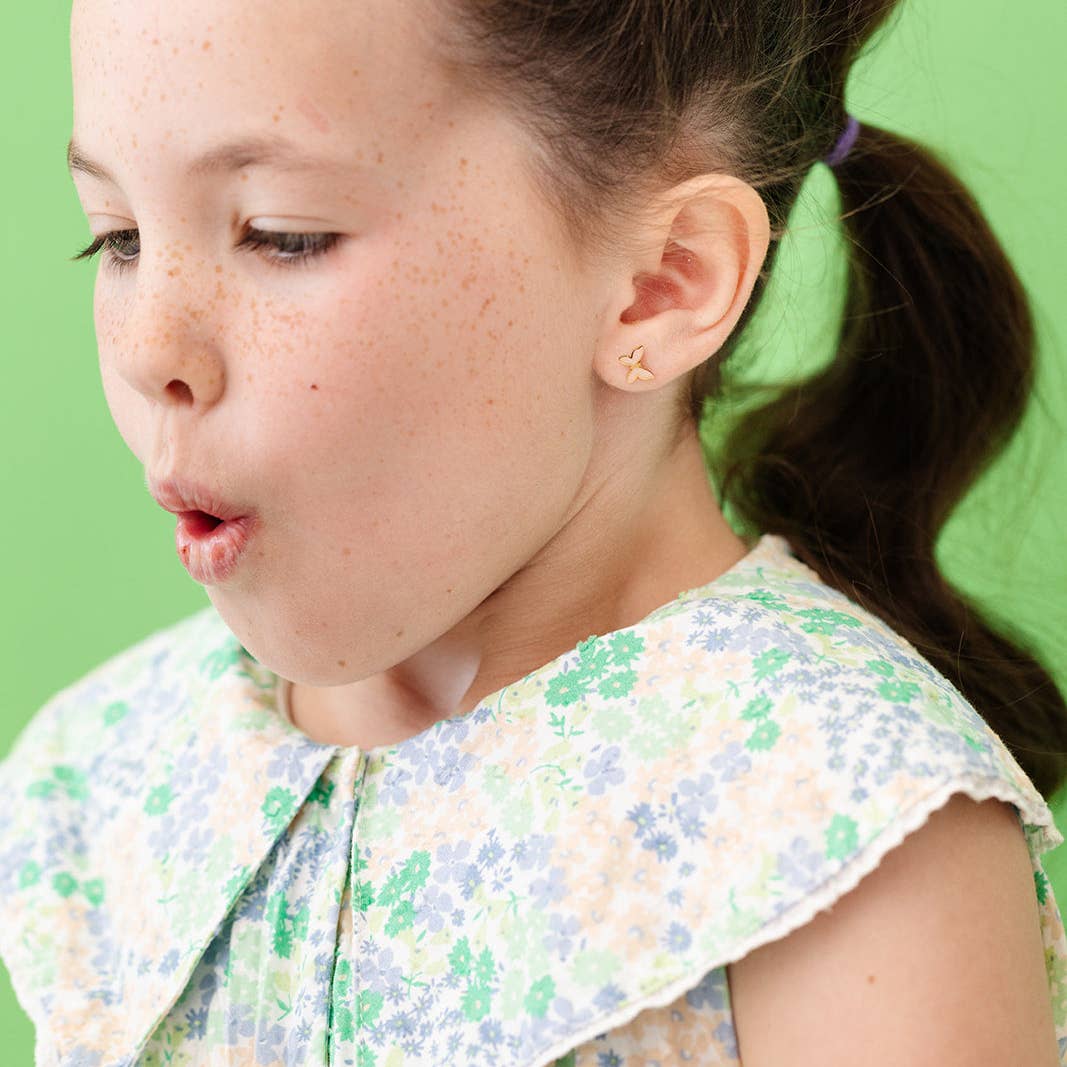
(710, 242)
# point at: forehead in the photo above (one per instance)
(153, 73)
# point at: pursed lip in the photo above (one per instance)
(178, 495)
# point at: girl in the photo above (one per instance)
(497, 744)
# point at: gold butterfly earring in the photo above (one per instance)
(633, 361)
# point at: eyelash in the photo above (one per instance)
(310, 246)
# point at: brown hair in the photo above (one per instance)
(860, 465)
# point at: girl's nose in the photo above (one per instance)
(168, 344)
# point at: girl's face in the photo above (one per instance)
(411, 412)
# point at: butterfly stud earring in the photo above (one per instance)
(633, 361)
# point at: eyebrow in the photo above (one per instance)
(263, 151)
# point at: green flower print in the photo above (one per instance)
(341, 1022)
(764, 736)
(898, 691)
(826, 620)
(321, 792)
(767, 599)
(594, 656)
(94, 891)
(476, 1002)
(115, 712)
(460, 958)
(895, 689)
(158, 800)
(399, 890)
(73, 782)
(880, 666)
(626, 647)
(285, 927)
(618, 684)
(64, 884)
(540, 996)
(278, 808)
(220, 660)
(841, 837)
(29, 875)
(362, 896)
(568, 687)
(757, 708)
(769, 661)
(368, 1008)
(1041, 885)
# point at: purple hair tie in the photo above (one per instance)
(844, 143)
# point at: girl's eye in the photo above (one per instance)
(291, 249)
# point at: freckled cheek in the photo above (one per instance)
(111, 342)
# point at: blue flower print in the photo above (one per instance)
(732, 761)
(664, 846)
(169, 962)
(451, 768)
(643, 818)
(469, 881)
(434, 907)
(549, 890)
(452, 862)
(678, 938)
(609, 997)
(491, 852)
(696, 796)
(710, 993)
(288, 763)
(491, 1033)
(602, 771)
(561, 933)
(379, 973)
(393, 789)
(533, 852)
(802, 865)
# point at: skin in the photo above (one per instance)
(456, 482)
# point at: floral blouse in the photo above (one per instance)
(558, 877)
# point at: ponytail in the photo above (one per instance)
(860, 466)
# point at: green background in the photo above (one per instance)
(89, 559)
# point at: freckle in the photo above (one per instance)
(174, 50)
(346, 552)
(342, 663)
(449, 589)
(173, 272)
(400, 633)
(155, 40)
(870, 979)
(218, 270)
(381, 157)
(207, 45)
